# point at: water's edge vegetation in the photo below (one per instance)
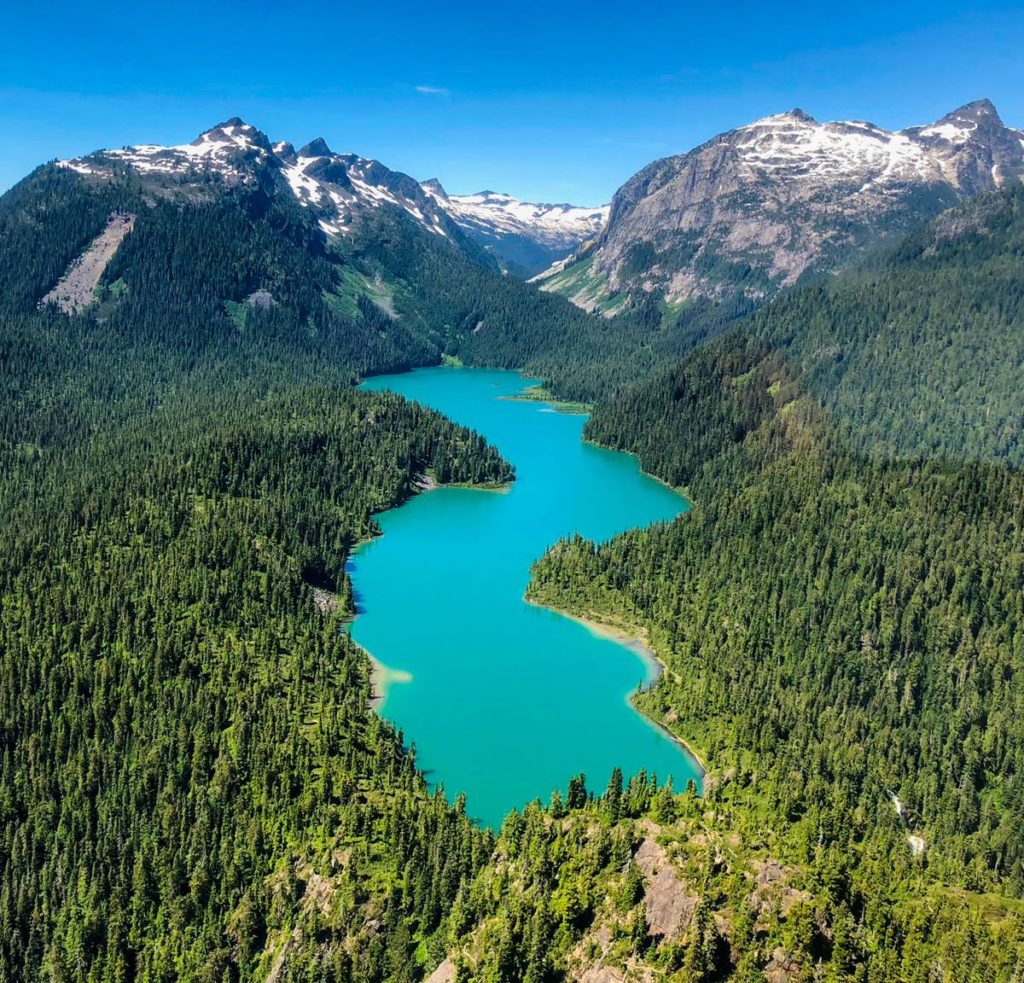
(636, 639)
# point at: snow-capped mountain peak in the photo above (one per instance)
(527, 234)
(433, 187)
(755, 208)
(338, 188)
(221, 149)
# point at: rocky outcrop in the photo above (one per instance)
(77, 288)
(444, 973)
(772, 891)
(782, 968)
(668, 903)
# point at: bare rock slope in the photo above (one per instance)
(756, 208)
(76, 289)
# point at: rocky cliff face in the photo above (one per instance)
(754, 209)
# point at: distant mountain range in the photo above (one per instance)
(687, 245)
(527, 238)
(339, 189)
(757, 208)
(737, 219)
(342, 189)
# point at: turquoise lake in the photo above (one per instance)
(503, 700)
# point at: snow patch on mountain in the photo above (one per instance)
(305, 189)
(796, 147)
(218, 149)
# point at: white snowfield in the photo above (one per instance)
(824, 150)
(494, 213)
(215, 149)
(793, 146)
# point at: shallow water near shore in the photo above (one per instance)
(504, 700)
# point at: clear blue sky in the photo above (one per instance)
(553, 101)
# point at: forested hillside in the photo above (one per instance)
(192, 785)
(920, 353)
(186, 732)
(842, 630)
(187, 745)
(211, 260)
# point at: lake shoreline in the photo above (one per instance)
(381, 678)
(680, 490)
(635, 639)
(602, 727)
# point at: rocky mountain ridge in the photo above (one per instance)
(341, 189)
(756, 208)
(521, 234)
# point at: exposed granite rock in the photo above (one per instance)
(782, 968)
(669, 904)
(444, 973)
(772, 890)
(754, 209)
(77, 288)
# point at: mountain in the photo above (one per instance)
(526, 238)
(760, 207)
(916, 355)
(340, 190)
(232, 233)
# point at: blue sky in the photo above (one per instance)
(548, 101)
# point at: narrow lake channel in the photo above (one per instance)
(503, 700)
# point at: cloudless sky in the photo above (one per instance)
(552, 101)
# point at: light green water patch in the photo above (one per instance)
(541, 395)
(504, 700)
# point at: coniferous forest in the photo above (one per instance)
(192, 783)
(840, 612)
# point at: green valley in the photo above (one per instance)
(193, 782)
